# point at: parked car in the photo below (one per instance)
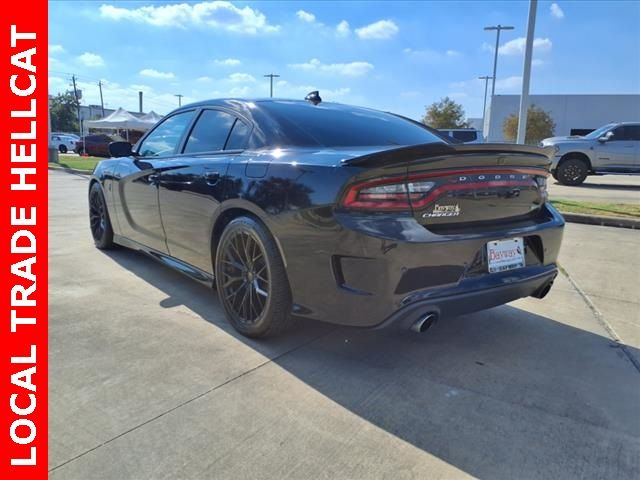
(330, 212)
(462, 135)
(72, 135)
(63, 143)
(96, 145)
(611, 149)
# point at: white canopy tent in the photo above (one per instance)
(120, 119)
(152, 118)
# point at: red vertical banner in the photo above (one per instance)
(23, 241)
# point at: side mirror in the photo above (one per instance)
(120, 149)
(606, 137)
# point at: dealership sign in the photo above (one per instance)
(23, 214)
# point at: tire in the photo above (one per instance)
(99, 221)
(80, 151)
(62, 148)
(572, 171)
(554, 174)
(251, 280)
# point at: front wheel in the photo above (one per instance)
(251, 279)
(572, 171)
(62, 148)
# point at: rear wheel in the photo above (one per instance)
(572, 171)
(251, 279)
(62, 148)
(99, 221)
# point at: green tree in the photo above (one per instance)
(445, 114)
(64, 113)
(539, 125)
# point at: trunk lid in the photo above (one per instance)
(455, 185)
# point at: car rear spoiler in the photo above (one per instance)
(427, 151)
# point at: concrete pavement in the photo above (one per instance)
(603, 189)
(147, 380)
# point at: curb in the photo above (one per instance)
(72, 170)
(604, 221)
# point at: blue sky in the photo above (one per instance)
(397, 56)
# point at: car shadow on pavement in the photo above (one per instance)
(503, 393)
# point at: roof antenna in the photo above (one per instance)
(313, 97)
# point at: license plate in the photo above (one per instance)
(503, 255)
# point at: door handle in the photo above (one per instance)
(153, 179)
(212, 177)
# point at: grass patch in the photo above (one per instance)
(77, 163)
(592, 208)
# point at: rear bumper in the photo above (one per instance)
(525, 285)
(375, 272)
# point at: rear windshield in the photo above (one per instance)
(342, 126)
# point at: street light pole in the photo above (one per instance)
(498, 28)
(526, 74)
(271, 77)
(486, 79)
(179, 95)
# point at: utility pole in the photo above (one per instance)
(486, 79)
(101, 100)
(271, 77)
(75, 94)
(498, 29)
(179, 95)
(140, 101)
(526, 74)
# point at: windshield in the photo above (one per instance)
(598, 132)
(334, 125)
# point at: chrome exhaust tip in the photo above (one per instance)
(424, 322)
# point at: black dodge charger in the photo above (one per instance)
(332, 212)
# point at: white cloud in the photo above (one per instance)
(306, 16)
(342, 29)
(89, 59)
(227, 62)
(241, 78)
(239, 91)
(509, 84)
(218, 14)
(556, 11)
(56, 49)
(536, 62)
(429, 55)
(352, 69)
(152, 73)
(380, 30)
(288, 90)
(486, 47)
(516, 46)
(452, 53)
(203, 79)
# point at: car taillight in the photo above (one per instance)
(387, 194)
(542, 187)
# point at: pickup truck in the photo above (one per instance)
(611, 149)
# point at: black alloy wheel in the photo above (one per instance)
(251, 280)
(99, 218)
(572, 171)
(62, 148)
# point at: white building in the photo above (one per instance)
(573, 114)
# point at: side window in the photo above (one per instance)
(465, 135)
(164, 139)
(626, 132)
(238, 137)
(210, 132)
(634, 132)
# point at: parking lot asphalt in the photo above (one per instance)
(147, 380)
(602, 189)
